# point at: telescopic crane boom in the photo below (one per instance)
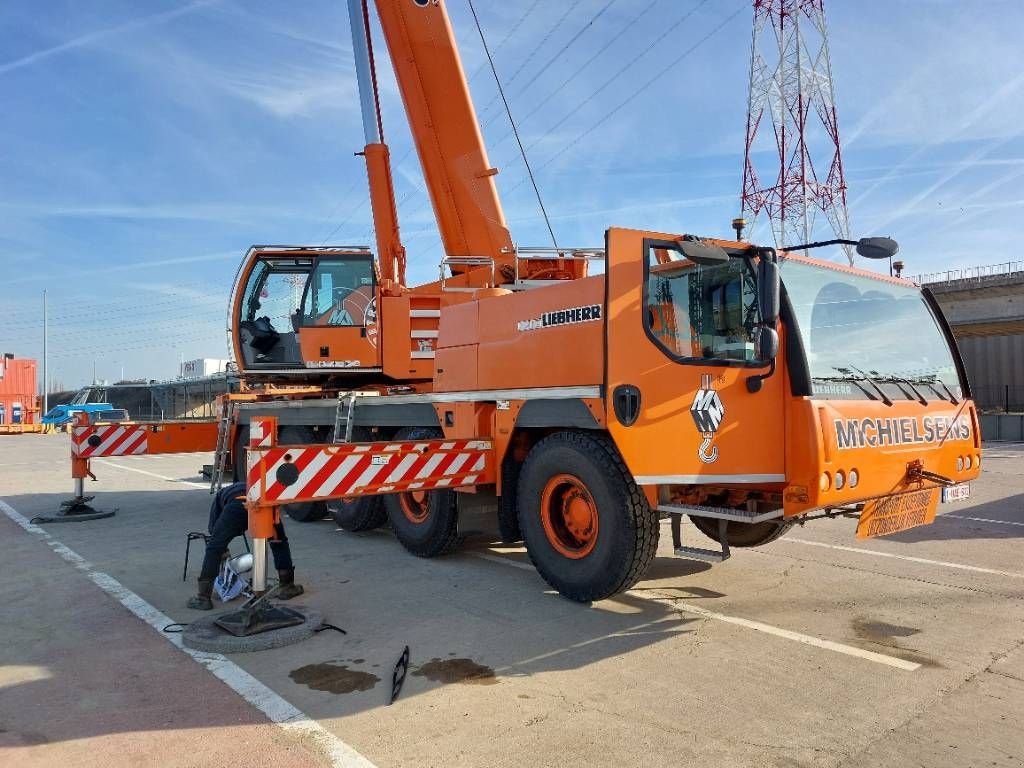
(432, 83)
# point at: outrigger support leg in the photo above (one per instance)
(258, 614)
(77, 509)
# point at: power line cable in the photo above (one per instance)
(622, 70)
(629, 99)
(529, 57)
(508, 111)
(544, 67)
(619, 33)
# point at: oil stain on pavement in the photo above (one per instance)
(882, 634)
(456, 671)
(333, 678)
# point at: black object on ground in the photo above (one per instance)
(259, 615)
(398, 676)
(76, 510)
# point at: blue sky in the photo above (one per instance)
(145, 146)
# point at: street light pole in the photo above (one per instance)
(46, 380)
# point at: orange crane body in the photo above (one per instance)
(692, 377)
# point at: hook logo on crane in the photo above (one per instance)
(707, 411)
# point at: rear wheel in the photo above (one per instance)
(363, 513)
(238, 452)
(508, 514)
(303, 511)
(587, 526)
(743, 534)
(425, 522)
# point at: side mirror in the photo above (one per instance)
(768, 286)
(767, 343)
(706, 254)
(877, 247)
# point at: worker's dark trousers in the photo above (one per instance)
(231, 522)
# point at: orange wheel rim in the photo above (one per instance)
(569, 516)
(414, 506)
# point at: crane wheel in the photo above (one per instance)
(363, 513)
(508, 507)
(743, 534)
(303, 511)
(238, 453)
(587, 526)
(425, 522)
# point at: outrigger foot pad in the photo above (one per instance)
(259, 615)
(76, 510)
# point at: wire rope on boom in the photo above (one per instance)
(515, 130)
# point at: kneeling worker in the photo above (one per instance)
(228, 519)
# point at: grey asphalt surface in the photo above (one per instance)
(752, 662)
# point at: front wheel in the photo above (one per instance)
(587, 526)
(425, 522)
(744, 534)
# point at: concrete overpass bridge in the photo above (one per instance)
(985, 308)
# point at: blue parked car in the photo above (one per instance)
(65, 414)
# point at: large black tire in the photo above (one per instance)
(303, 511)
(743, 534)
(425, 523)
(571, 471)
(508, 507)
(238, 453)
(363, 513)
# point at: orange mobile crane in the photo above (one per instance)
(590, 392)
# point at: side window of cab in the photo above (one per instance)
(697, 312)
(340, 292)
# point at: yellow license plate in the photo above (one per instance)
(892, 514)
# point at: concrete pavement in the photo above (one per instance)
(815, 650)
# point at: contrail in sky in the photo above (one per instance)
(100, 34)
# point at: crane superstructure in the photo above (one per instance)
(718, 380)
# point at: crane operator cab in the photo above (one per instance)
(306, 308)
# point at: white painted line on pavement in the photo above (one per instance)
(115, 465)
(241, 682)
(908, 558)
(503, 560)
(798, 637)
(980, 520)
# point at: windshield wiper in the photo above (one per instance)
(846, 378)
(898, 381)
(864, 377)
(930, 382)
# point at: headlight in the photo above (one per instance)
(840, 480)
(854, 478)
(959, 463)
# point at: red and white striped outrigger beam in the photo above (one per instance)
(88, 442)
(286, 474)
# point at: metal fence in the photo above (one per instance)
(999, 398)
(976, 274)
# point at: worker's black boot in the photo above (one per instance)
(289, 588)
(202, 600)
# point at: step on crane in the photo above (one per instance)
(743, 388)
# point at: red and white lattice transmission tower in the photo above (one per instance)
(791, 85)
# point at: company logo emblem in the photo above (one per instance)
(707, 410)
(568, 316)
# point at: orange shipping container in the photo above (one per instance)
(18, 391)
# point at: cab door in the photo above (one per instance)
(339, 314)
(680, 348)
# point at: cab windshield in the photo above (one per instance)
(867, 338)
